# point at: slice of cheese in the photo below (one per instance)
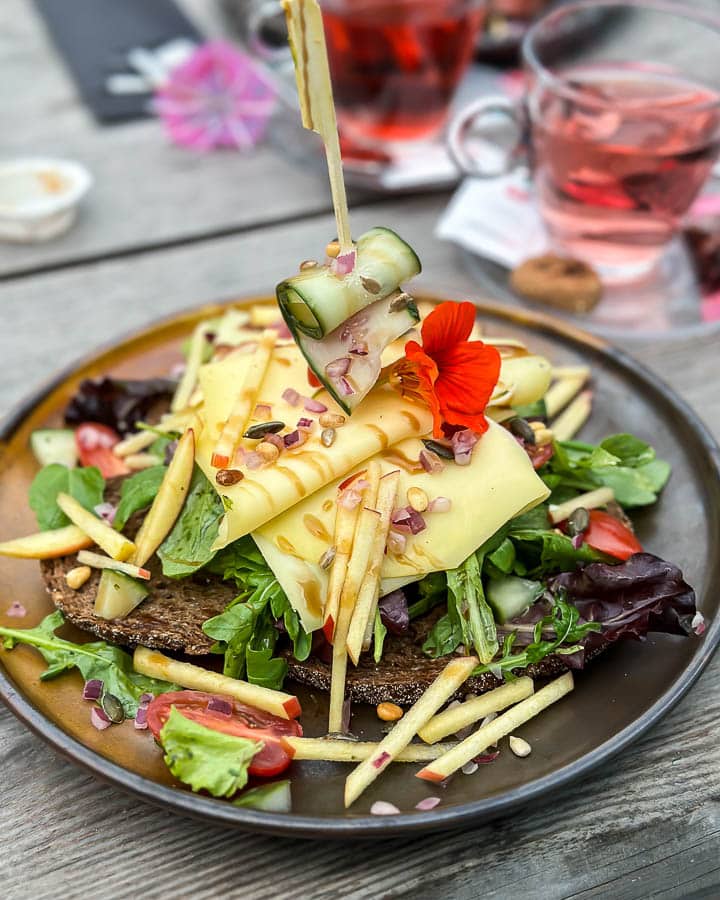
(499, 483)
(382, 420)
(305, 583)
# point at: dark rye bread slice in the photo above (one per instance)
(171, 618)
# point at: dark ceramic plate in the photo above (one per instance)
(622, 694)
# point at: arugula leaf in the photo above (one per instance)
(567, 633)
(446, 634)
(545, 552)
(379, 632)
(98, 659)
(86, 485)
(137, 492)
(476, 616)
(205, 759)
(188, 546)
(245, 631)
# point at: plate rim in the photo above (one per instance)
(368, 826)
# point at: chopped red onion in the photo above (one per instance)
(304, 424)
(577, 541)
(99, 718)
(382, 808)
(431, 462)
(141, 718)
(381, 759)
(470, 768)
(408, 521)
(344, 263)
(220, 705)
(16, 610)
(361, 484)
(315, 406)
(394, 613)
(92, 689)
(253, 460)
(350, 498)
(275, 439)
(440, 505)
(462, 443)
(106, 511)
(346, 389)
(698, 624)
(177, 371)
(263, 411)
(291, 396)
(338, 367)
(428, 803)
(359, 349)
(146, 699)
(295, 439)
(396, 543)
(486, 758)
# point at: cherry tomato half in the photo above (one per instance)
(608, 535)
(94, 444)
(244, 721)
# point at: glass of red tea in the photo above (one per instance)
(395, 65)
(619, 124)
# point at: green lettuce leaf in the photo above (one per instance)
(205, 759)
(188, 546)
(379, 632)
(86, 485)
(137, 493)
(621, 462)
(98, 659)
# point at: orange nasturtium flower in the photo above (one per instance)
(455, 377)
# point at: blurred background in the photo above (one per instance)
(132, 127)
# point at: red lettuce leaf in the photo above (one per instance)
(118, 403)
(644, 594)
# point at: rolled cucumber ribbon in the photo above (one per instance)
(315, 301)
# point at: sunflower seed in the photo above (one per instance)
(522, 429)
(440, 449)
(578, 521)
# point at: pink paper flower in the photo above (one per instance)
(219, 97)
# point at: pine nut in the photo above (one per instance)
(77, 577)
(418, 499)
(331, 420)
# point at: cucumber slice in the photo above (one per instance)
(273, 797)
(316, 301)
(54, 445)
(511, 596)
(371, 330)
(118, 595)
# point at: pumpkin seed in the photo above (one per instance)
(326, 560)
(578, 521)
(327, 437)
(441, 449)
(257, 432)
(113, 708)
(521, 428)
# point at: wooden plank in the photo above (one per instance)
(147, 192)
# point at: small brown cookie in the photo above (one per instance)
(556, 281)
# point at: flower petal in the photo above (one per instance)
(448, 324)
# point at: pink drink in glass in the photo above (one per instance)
(395, 64)
(620, 157)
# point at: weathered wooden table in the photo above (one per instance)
(164, 230)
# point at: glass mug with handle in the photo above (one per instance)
(619, 124)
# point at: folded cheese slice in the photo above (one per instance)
(382, 420)
(499, 483)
